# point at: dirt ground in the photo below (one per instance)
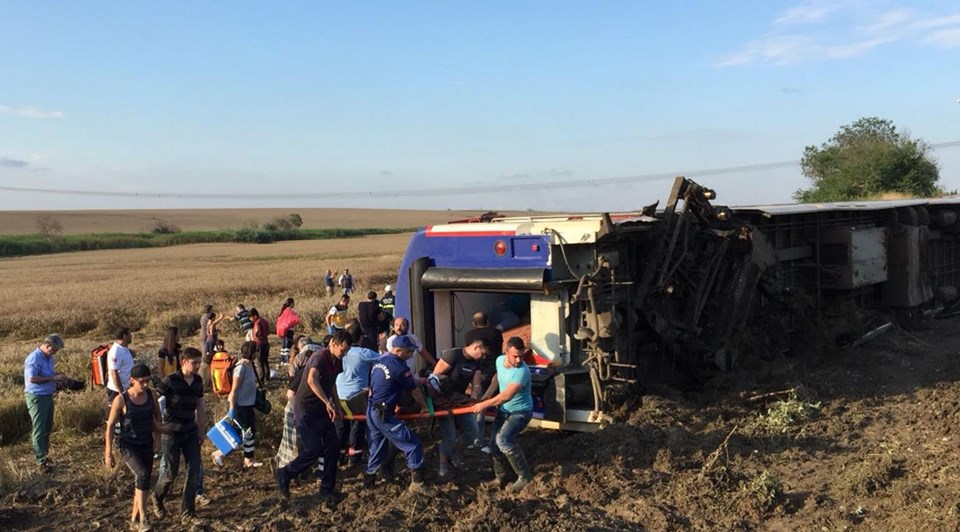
(864, 441)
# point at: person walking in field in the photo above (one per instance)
(168, 357)
(139, 416)
(243, 395)
(346, 282)
(206, 316)
(316, 408)
(186, 413)
(328, 282)
(261, 335)
(119, 364)
(242, 317)
(515, 404)
(39, 382)
(287, 322)
(337, 316)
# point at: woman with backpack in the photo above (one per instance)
(139, 416)
(243, 395)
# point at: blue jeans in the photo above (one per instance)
(506, 427)
(391, 430)
(172, 446)
(448, 432)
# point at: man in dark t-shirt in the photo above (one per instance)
(482, 328)
(373, 321)
(185, 414)
(316, 407)
(461, 368)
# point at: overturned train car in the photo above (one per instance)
(609, 303)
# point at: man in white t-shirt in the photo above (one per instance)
(402, 327)
(119, 364)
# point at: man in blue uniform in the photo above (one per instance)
(389, 377)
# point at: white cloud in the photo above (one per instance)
(30, 111)
(841, 31)
(807, 13)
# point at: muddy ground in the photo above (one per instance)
(865, 440)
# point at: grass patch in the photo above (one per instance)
(23, 245)
(789, 413)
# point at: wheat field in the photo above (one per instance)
(85, 296)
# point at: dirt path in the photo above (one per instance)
(865, 441)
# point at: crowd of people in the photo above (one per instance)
(348, 396)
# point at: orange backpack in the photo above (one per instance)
(98, 365)
(221, 372)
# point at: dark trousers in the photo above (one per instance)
(140, 462)
(352, 434)
(246, 417)
(265, 361)
(319, 438)
(172, 446)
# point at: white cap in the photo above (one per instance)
(388, 288)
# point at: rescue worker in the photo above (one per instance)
(515, 410)
(388, 302)
(316, 408)
(389, 377)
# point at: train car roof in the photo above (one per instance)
(803, 208)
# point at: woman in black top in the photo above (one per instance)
(140, 420)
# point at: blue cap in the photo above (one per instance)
(404, 342)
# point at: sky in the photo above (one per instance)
(487, 105)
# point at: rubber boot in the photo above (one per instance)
(520, 466)
(417, 485)
(499, 471)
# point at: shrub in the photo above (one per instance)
(163, 227)
(49, 227)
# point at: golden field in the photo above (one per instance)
(85, 296)
(136, 221)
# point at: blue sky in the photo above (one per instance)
(490, 105)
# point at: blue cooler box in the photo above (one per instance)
(225, 435)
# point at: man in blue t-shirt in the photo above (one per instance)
(516, 409)
(388, 379)
(39, 382)
(352, 389)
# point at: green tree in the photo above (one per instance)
(866, 159)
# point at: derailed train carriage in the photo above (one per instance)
(610, 303)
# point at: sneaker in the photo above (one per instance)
(217, 458)
(157, 506)
(485, 449)
(369, 480)
(475, 444)
(201, 500)
(283, 483)
(456, 462)
(354, 452)
(252, 464)
(444, 470)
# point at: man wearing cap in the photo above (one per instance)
(401, 327)
(389, 377)
(39, 382)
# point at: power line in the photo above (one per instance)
(440, 191)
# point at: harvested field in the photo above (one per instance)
(136, 221)
(863, 439)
